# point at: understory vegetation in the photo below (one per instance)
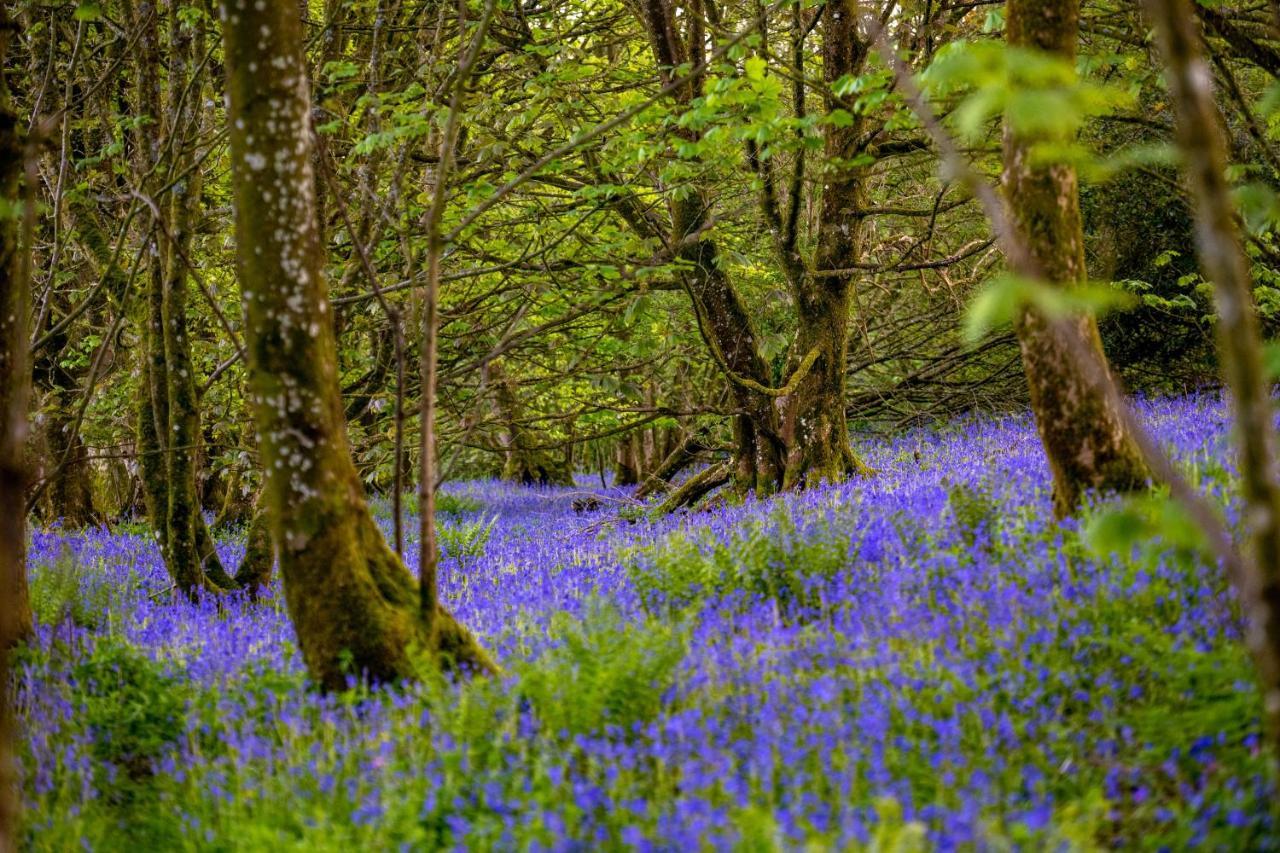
(667, 425)
(923, 660)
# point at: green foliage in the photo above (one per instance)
(466, 541)
(1005, 295)
(62, 590)
(772, 559)
(1148, 522)
(975, 511)
(133, 709)
(448, 503)
(606, 672)
(1038, 93)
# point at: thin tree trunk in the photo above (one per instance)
(1224, 262)
(194, 559)
(153, 396)
(354, 606)
(1083, 434)
(429, 551)
(795, 435)
(15, 370)
(15, 609)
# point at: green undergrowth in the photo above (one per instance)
(1135, 717)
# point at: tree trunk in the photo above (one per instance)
(1224, 262)
(168, 419)
(815, 428)
(1083, 436)
(353, 604)
(15, 605)
(795, 435)
(153, 398)
(679, 457)
(70, 494)
(525, 462)
(15, 608)
(259, 556)
(193, 558)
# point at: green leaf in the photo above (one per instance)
(839, 118)
(1001, 300)
(1271, 359)
(88, 12)
(1116, 530)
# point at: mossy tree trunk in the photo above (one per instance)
(153, 398)
(70, 492)
(354, 606)
(15, 376)
(795, 434)
(815, 427)
(1083, 435)
(168, 425)
(191, 548)
(58, 451)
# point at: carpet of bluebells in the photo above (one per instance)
(922, 659)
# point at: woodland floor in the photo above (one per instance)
(921, 653)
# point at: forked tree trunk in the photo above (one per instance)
(815, 427)
(354, 606)
(168, 423)
(795, 434)
(1083, 435)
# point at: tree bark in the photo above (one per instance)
(353, 604)
(15, 608)
(153, 397)
(795, 435)
(70, 494)
(525, 462)
(1083, 435)
(815, 428)
(168, 425)
(193, 557)
(254, 572)
(14, 359)
(1223, 259)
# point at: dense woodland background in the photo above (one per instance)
(566, 340)
(262, 260)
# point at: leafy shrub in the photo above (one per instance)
(131, 706)
(606, 672)
(60, 591)
(974, 511)
(448, 503)
(770, 559)
(467, 541)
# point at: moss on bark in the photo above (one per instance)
(354, 605)
(1083, 436)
